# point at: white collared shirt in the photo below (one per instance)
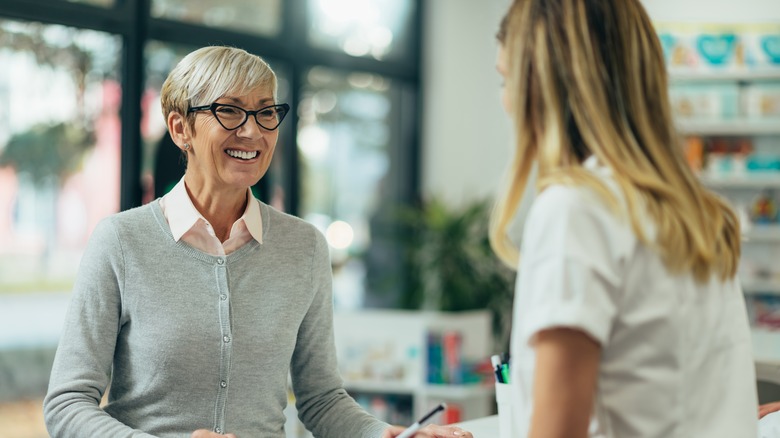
(188, 225)
(676, 355)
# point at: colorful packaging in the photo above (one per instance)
(704, 100)
(720, 47)
(720, 50)
(762, 46)
(679, 51)
(761, 100)
(766, 311)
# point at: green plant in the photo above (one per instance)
(450, 265)
(47, 152)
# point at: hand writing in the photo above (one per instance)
(430, 431)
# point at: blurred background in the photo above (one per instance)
(394, 148)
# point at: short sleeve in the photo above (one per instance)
(571, 263)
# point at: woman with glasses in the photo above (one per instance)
(196, 307)
(629, 320)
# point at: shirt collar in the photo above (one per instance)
(252, 217)
(182, 214)
(592, 162)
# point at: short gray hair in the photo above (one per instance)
(209, 73)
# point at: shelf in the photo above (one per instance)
(763, 233)
(451, 392)
(730, 127)
(721, 76)
(747, 181)
(387, 387)
(458, 392)
(766, 346)
(753, 287)
(376, 360)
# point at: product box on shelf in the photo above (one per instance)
(764, 311)
(402, 362)
(446, 363)
(760, 100)
(763, 209)
(688, 47)
(762, 46)
(762, 163)
(704, 101)
(730, 158)
(716, 157)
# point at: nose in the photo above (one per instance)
(251, 129)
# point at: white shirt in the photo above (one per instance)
(676, 355)
(188, 225)
(769, 426)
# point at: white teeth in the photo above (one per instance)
(241, 154)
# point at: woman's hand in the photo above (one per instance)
(430, 431)
(768, 408)
(204, 433)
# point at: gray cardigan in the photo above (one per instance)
(189, 341)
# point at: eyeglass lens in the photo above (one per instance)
(231, 117)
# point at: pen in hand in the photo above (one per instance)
(411, 430)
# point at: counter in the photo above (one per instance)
(486, 427)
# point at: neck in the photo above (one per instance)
(221, 208)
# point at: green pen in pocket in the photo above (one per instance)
(505, 372)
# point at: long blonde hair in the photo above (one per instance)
(588, 78)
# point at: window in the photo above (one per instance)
(59, 149)
(92, 85)
(377, 29)
(101, 3)
(261, 17)
(347, 146)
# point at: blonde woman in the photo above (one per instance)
(628, 318)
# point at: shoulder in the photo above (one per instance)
(576, 221)
(561, 204)
(278, 225)
(137, 221)
(131, 216)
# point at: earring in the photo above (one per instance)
(186, 146)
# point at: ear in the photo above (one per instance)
(177, 126)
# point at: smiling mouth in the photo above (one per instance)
(241, 155)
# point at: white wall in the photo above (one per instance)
(714, 11)
(466, 135)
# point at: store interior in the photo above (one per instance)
(397, 104)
